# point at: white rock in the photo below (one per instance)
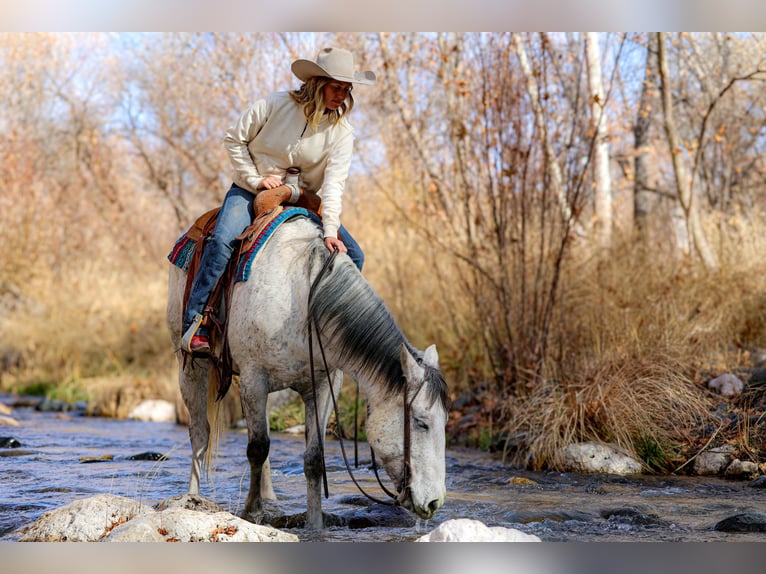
(727, 385)
(712, 462)
(5, 409)
(467, 530)
(110, 518)
(598, 457)
(154, 411)
(84, 520)
(184, 525)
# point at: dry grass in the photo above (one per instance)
(637, 338)
(648, 406)
(87, 328)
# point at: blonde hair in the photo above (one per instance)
(311, 96)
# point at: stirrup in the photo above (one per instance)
(190, 333)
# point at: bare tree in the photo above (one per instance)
(643, 196)
(601, 176)
(683, 180)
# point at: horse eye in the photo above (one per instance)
(422, 425)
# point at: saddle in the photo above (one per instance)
(216, 312)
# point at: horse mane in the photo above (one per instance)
(354, 317)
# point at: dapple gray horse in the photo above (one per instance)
(268, 336)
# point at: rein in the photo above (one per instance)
(396, 500)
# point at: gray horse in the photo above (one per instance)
(268, 335)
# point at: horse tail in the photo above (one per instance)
(217, 423)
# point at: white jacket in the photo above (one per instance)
(273, 135)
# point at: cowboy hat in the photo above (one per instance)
(335, 63)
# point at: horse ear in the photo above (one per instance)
(410, 366)
(431, 357)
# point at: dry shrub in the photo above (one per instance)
(90, 320)
(637, 337)
(648, 406)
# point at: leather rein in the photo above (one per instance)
(395, 499)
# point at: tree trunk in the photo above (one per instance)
(683, 182)
(557, 181)
(643, 199)
(601, 178)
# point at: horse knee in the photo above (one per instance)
(258, 450)
(312, 462)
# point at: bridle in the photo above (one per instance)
(405, 485)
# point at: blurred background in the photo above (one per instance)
(575, 219)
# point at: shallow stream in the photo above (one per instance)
(47, 471)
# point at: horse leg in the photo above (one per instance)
(193, 381)
(312, 458)
(254, 394)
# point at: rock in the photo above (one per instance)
(147, 456)
(467, 530)
(9, 442)
(6, 421)
(713, 462)
(157, 411)
(728, 385)
(745, 469)
(758, 357)
(757, 377)
(598, 457)
(745, 522)
(5, 409)
(56, 406)
(99, 458)
(85, 520)
(297, 429)
(632, 516)
(380, 515)
(189, 502)
(184, 525)
(759, 482)
(111, 518)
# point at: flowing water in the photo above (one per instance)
(48, 471)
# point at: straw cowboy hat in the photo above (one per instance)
(335, 63)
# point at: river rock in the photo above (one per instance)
(6, 421)
(745, 522)
(111, 518)
(759, 482)
(598, 457)
(184, 525)
(85, 520)
(728, 385)
(153, 456)
(468, 530)
(745, 469)
(5, 409)
(713, 462)
(9, 442)
(157, 411)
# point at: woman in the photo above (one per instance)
(307, 129)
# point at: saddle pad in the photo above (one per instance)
(183, 250)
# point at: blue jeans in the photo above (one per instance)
(235, 216)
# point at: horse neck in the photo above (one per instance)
(361, 335)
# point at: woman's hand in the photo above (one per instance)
(332, 242)
(270, 182)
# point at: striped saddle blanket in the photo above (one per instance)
(253, 238)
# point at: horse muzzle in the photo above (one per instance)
(424, 510)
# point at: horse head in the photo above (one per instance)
(407, 433)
